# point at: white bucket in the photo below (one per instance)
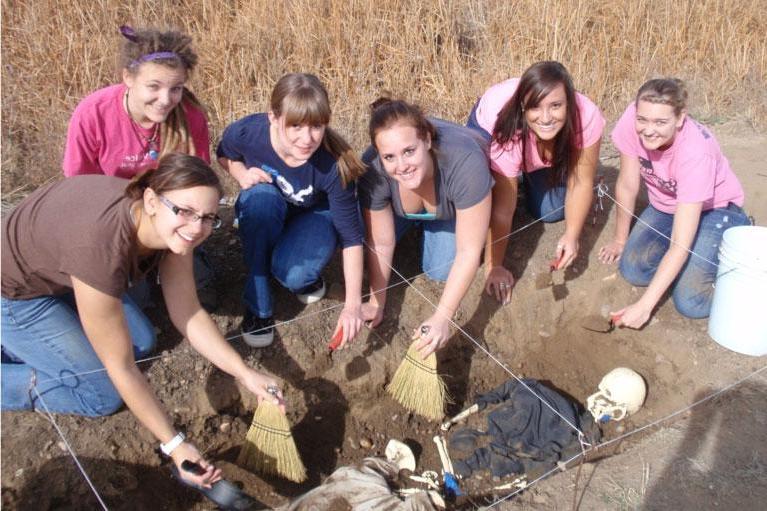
(738, 319)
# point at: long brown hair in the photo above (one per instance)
(140, 43)
(511, 127)
(175, 171)
(302, 99)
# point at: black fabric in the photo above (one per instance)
(524, 434)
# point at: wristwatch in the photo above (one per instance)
(174, 442)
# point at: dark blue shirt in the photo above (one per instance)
(314, 183)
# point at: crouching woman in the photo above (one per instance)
(694, 197)
(65, 271)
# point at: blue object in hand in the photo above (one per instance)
(452, 488)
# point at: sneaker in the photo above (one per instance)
(312, 293)
(257, 332)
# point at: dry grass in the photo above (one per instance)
(441, 53)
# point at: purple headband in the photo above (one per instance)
(130, 34)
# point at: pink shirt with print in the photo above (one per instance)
(507, 160)
(693, 169)
(102, 138)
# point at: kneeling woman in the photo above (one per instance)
(429, 172)
(297, 203)
(694, 197)
(65, 270)
(542, 129)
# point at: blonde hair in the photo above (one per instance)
(302, 99)
(666, 91)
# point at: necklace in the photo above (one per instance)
(151, 146)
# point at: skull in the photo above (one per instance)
(621, 392)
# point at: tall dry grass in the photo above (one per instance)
(441, 53)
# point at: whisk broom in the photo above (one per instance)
(417, 386)
(269, 446)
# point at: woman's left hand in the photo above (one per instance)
(264, 387)
(633, 316)
(350, 323)
(567, 251)
(432, 335)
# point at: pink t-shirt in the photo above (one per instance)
(102, 138)
(507, 160)
(692, 169)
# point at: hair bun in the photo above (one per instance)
(381, 101)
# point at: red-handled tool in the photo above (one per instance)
(554, 263)
(335, 342)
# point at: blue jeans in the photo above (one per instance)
(542, 201)
(291, 243)
(43, 341)
(692, 290)
(437, 246)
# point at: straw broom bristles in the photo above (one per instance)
(417, 386)
(269, 446)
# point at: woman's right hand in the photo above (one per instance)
(499, 283)
(252, 176)
(186, 451)
(372, 314)
(611, 252)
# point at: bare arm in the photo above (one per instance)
(381, 240)
(580, 193)
(470, 236)
(499, 281)
(195, 324)
(686, 220)
(104, 323)
(626, 191)
(350, 320)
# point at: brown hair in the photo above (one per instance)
(386, 112)
(302, 99)
(139, 43)
(175, 171)
(666, 91)
(511, 126)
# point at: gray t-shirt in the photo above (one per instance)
(463, 174)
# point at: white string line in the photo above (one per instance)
(308, 314)
(602, 191)
(476, 343)
(635, 431)
(69, 448)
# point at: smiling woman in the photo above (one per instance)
(694, 197)
(122, 130)
(433, 174)
(542, 129)
(297, 204)
(70, 335)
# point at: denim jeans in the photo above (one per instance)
(43, 340)
(692, 290)
(542, 201)
(437, 246)
(291, 243)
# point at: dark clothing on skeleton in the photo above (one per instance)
(524, 434)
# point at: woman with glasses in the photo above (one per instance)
(694, 197)
(67, 345)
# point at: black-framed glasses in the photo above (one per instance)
(212, 220)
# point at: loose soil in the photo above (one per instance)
(713, 455)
